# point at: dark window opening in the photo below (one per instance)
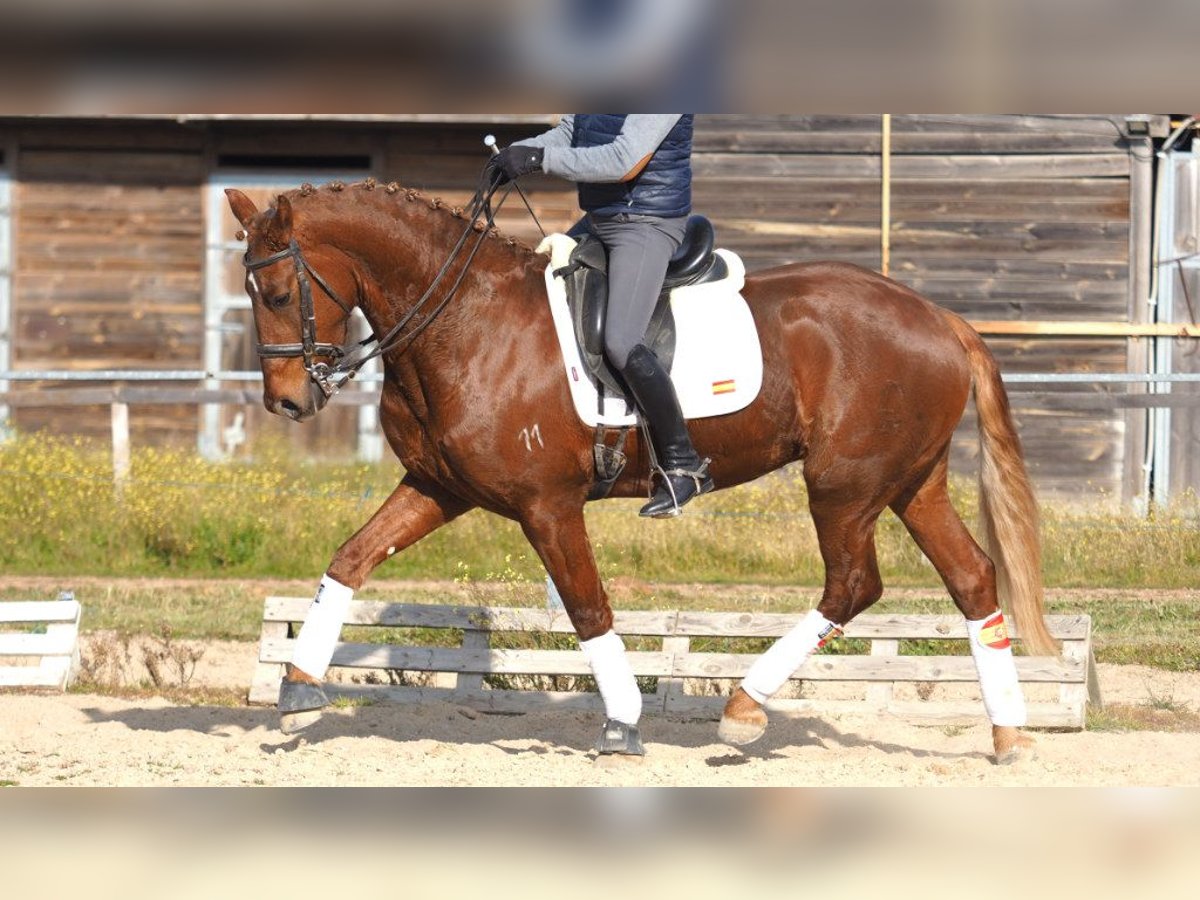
(326, 163)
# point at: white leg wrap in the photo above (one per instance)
(1002, 696)
(322, 626)
(614, 677)
(787, 654)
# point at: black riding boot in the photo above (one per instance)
(682, 474)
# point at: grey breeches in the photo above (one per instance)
(639, 248)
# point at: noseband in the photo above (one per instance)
(309, 347)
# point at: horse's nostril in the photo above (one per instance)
(290, 409)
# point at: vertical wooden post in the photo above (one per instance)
(1074, 695)
(120, 443)
(470, 684)
(1135, 477)
(879, 693)
(264, 686)
(669, 689)
(885, 200)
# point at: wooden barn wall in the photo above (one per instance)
(997, 217)
(107, 273)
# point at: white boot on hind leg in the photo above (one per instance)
(1001, 690)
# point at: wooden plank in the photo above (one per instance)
(81, 166)
(931, 142)
(500, 701)
(1087, 329)
(147, 396)
(650, 623)
(493, 618)
(47, 644)
(830, 667)
(452, 659)
(1078, 400)
(29, 676)
(873, 626)
(1045, 166)
(39, 611)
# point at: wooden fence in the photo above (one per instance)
(690, 673)
(39, 642)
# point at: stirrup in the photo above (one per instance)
(699, 476)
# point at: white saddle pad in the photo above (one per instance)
(718, 360)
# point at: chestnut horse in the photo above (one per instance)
(864, 382)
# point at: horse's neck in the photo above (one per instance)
(401, 256)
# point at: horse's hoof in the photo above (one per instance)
(619, 740)
(291, 723)
(300, 705)
(740, 732)
(1012, 746)
(743, 720)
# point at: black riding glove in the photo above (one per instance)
(513, 162)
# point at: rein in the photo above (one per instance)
(329, 378)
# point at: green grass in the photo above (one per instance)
(1121, 717)
(279, 517)
(224, 535)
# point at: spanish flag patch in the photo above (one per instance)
(994, 633)
(724, 387)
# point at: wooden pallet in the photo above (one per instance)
(676, 666)
(32, 656)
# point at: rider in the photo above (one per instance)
(635, 185)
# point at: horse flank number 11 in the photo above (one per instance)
(529, 435)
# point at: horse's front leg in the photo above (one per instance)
(412, 511)
(559, 535)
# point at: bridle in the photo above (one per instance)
(309, 347)
(330, 378)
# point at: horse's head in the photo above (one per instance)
(300, 316)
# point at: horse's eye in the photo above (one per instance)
(279, 301)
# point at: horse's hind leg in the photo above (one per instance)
(413, 510)
(970, 578)
(559, 535)
(852, 583)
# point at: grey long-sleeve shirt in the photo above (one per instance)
(640, 136)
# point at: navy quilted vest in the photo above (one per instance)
(664, 187)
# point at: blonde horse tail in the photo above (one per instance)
(1008, 509)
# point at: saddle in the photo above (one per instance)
(586, 279)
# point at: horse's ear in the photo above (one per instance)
(281, 225)
(243, 207)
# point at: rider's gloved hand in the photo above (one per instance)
(513, 162)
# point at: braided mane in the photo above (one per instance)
(371, 188)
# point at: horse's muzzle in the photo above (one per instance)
(297, 408)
